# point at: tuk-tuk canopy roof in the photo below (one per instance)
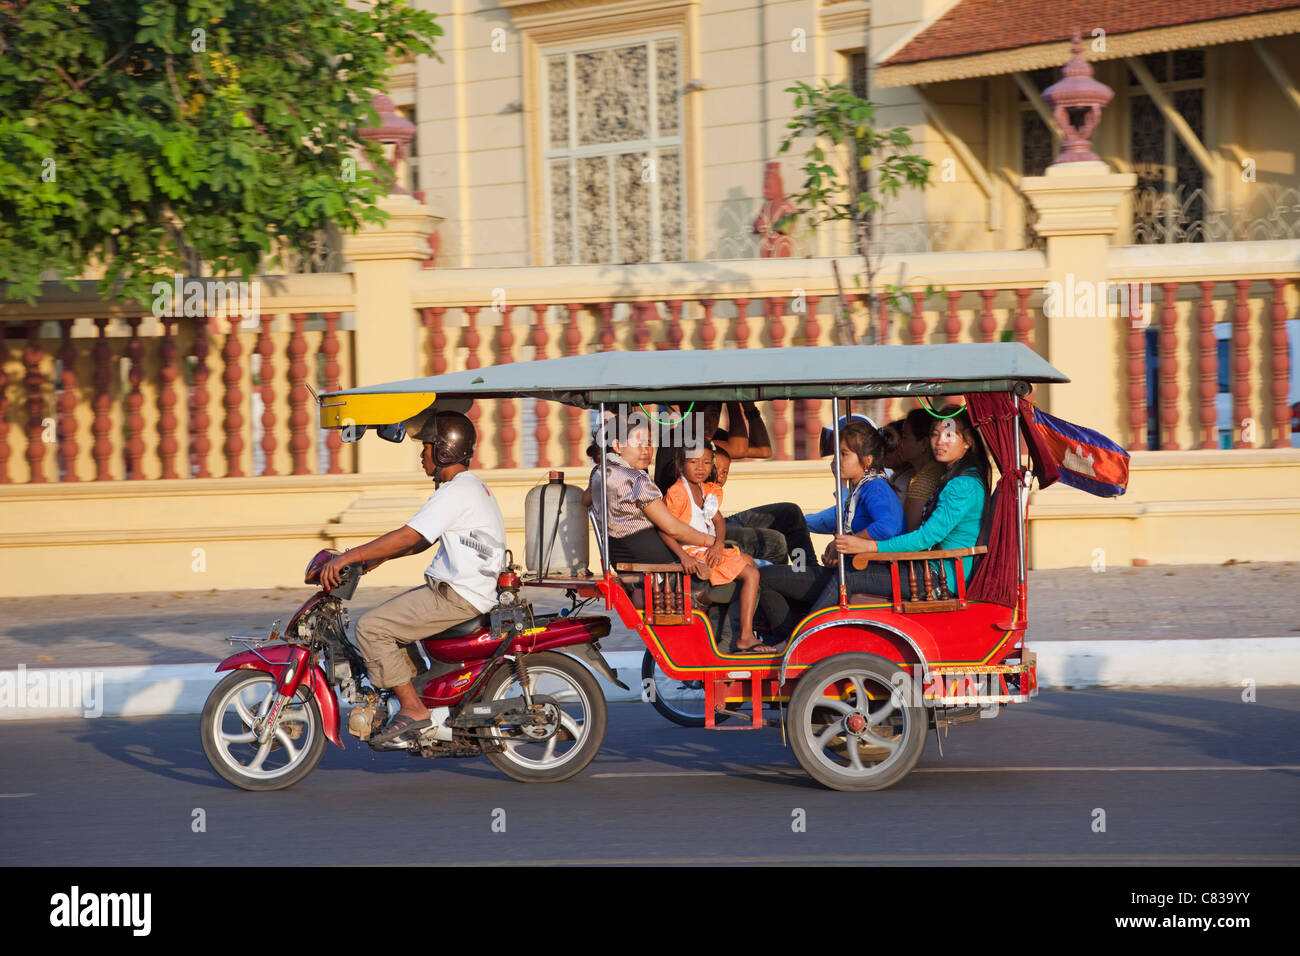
(858, 371)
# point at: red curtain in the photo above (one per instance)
(994, 414)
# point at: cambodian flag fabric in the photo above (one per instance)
(1088, 460)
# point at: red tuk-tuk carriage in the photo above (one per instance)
(857, 686)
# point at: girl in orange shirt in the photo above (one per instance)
(693, 498)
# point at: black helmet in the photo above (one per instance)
(452, 436)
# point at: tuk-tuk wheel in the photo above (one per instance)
(856, 722)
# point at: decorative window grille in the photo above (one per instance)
(1170, 201)
(614, 153)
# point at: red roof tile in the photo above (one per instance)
(982, 26)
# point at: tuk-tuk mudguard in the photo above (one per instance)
(854, 634)
(273, 659)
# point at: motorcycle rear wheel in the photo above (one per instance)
(584, 717)
(231, 747)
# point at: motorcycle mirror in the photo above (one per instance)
(393, 433)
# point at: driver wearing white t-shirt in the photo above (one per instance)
(464, 517)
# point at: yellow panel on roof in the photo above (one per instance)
(372, 408)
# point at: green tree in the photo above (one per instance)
(153, 134)
(844, 131)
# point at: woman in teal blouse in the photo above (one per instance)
(951, 518)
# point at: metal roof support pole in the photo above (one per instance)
(839, 494)
(603, 432)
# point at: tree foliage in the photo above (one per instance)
(144, 134)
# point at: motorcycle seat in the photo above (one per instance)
(463, 629)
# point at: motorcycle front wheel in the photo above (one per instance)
(531, 754)
(233, 708)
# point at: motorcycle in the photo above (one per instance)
(496, 686)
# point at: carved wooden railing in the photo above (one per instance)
(471, 318)
(95, 391)
(1181, 393)
(90, 392)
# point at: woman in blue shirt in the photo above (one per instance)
(867, 508)
(951, 518)
(871, 509)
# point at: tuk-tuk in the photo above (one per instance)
(856, 687)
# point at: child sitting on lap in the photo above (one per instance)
(692, 497)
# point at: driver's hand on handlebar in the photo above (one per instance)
(830, 557)
(329, 575)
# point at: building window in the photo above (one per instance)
(1169, 204)
(614, 153)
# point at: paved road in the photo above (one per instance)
(180, 627)
(1183, 778)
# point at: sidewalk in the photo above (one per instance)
(1174, 624)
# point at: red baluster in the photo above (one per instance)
(330, 346)
(606, 326)
(1169, 369)
(707, 332)
(1208, 369)
(299, 440)
(916, 323)
(1281, 367)
(742, 324)
(541, 409)
(573, 427)
(234, 397)
(506, 407)
(266, 373)
(1241, 363)
(780, 408)
(32, 356)
(168, 446)
(4, 412)
(66, 404)
(988, 325)
(1024, 325)
(134, 402)
(471, 341)
(1137, 376)
(641, 328)
(951, 322)
(103, 426)
(676, 335)
(437, 339)
(812, 423)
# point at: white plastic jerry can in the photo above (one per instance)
(555, 528)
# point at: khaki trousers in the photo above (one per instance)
(410, 616)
